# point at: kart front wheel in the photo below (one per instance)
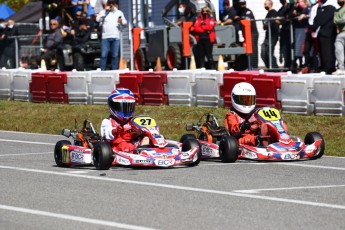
(58, 152)
(228, 149)
(187, 145)
(103, 156)
(310, 138)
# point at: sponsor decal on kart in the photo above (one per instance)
(65, 154)
(289, 156)
(122, 160)
(145, 162)
(164, 162)
(206, 150)
(249, 154)
(77, 156)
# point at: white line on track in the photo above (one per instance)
(74, 218)
(19, 132)
(23, 154)
(288, 188)
(184, 188)
(311, 166)
(27, 142)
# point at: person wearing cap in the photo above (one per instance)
(246, 14)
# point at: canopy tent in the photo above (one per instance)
(5, 11)
(30, 13)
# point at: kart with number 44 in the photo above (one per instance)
(216, 142)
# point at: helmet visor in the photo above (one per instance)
(246, 100)
(123, 107)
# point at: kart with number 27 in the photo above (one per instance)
(152, 149)
(216, 142)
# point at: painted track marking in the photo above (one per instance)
(27, 142)
(184, 188)
(73, 218)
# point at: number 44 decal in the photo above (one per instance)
(270, 114)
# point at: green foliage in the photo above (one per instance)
(16, 4)
(51, 118)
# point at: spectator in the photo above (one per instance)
(270, 42)
(300, 23)
(8, 57)
(325, 31)
(53, 42)
(82, 34)
(181, 12)
(205, 35)
(84, 6)
(246, 14)
(111, 20)
(284, 14)
(229, 17)
(3, 26)
(338, 19)
(310, 50)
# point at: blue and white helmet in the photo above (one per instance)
(121, 104)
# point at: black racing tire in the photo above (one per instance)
(311, 138)
(187, 145)
(58, 152)
(78, 61)
(173, 57)
(228, 149)
(140, 60)
(103, 156)
(187, 136)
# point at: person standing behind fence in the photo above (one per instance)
(271, 27)
(326, 33)
(52, 43)
(284, 20)
(111, 20)
(230, 17)
(246, 14)
(8, 57)
(338, 20)
(2, 40)
(205, 35)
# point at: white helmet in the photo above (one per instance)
(243, 97)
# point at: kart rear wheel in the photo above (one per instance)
(311, 138)
(228, 149)
(58, 152)
(187, 136)
(187, 145)
(103, 156)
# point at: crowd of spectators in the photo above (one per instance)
(316, 27)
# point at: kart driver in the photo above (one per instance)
(243, 98)
(116, 129)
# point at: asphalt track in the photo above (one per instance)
(35, 194)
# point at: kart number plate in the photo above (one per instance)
(270, 114)
(145, 122)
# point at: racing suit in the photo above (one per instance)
(233, 122)
(120, 136)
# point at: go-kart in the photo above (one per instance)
(286, 147)
(152, 149)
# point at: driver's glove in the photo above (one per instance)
(245, 126)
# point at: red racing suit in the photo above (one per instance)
(233, 122)
(120, 136)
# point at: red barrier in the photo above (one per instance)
(266, 86)
(38, 87)
(230, 80)
(56, 87)
(152, 88)
(132, 81)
